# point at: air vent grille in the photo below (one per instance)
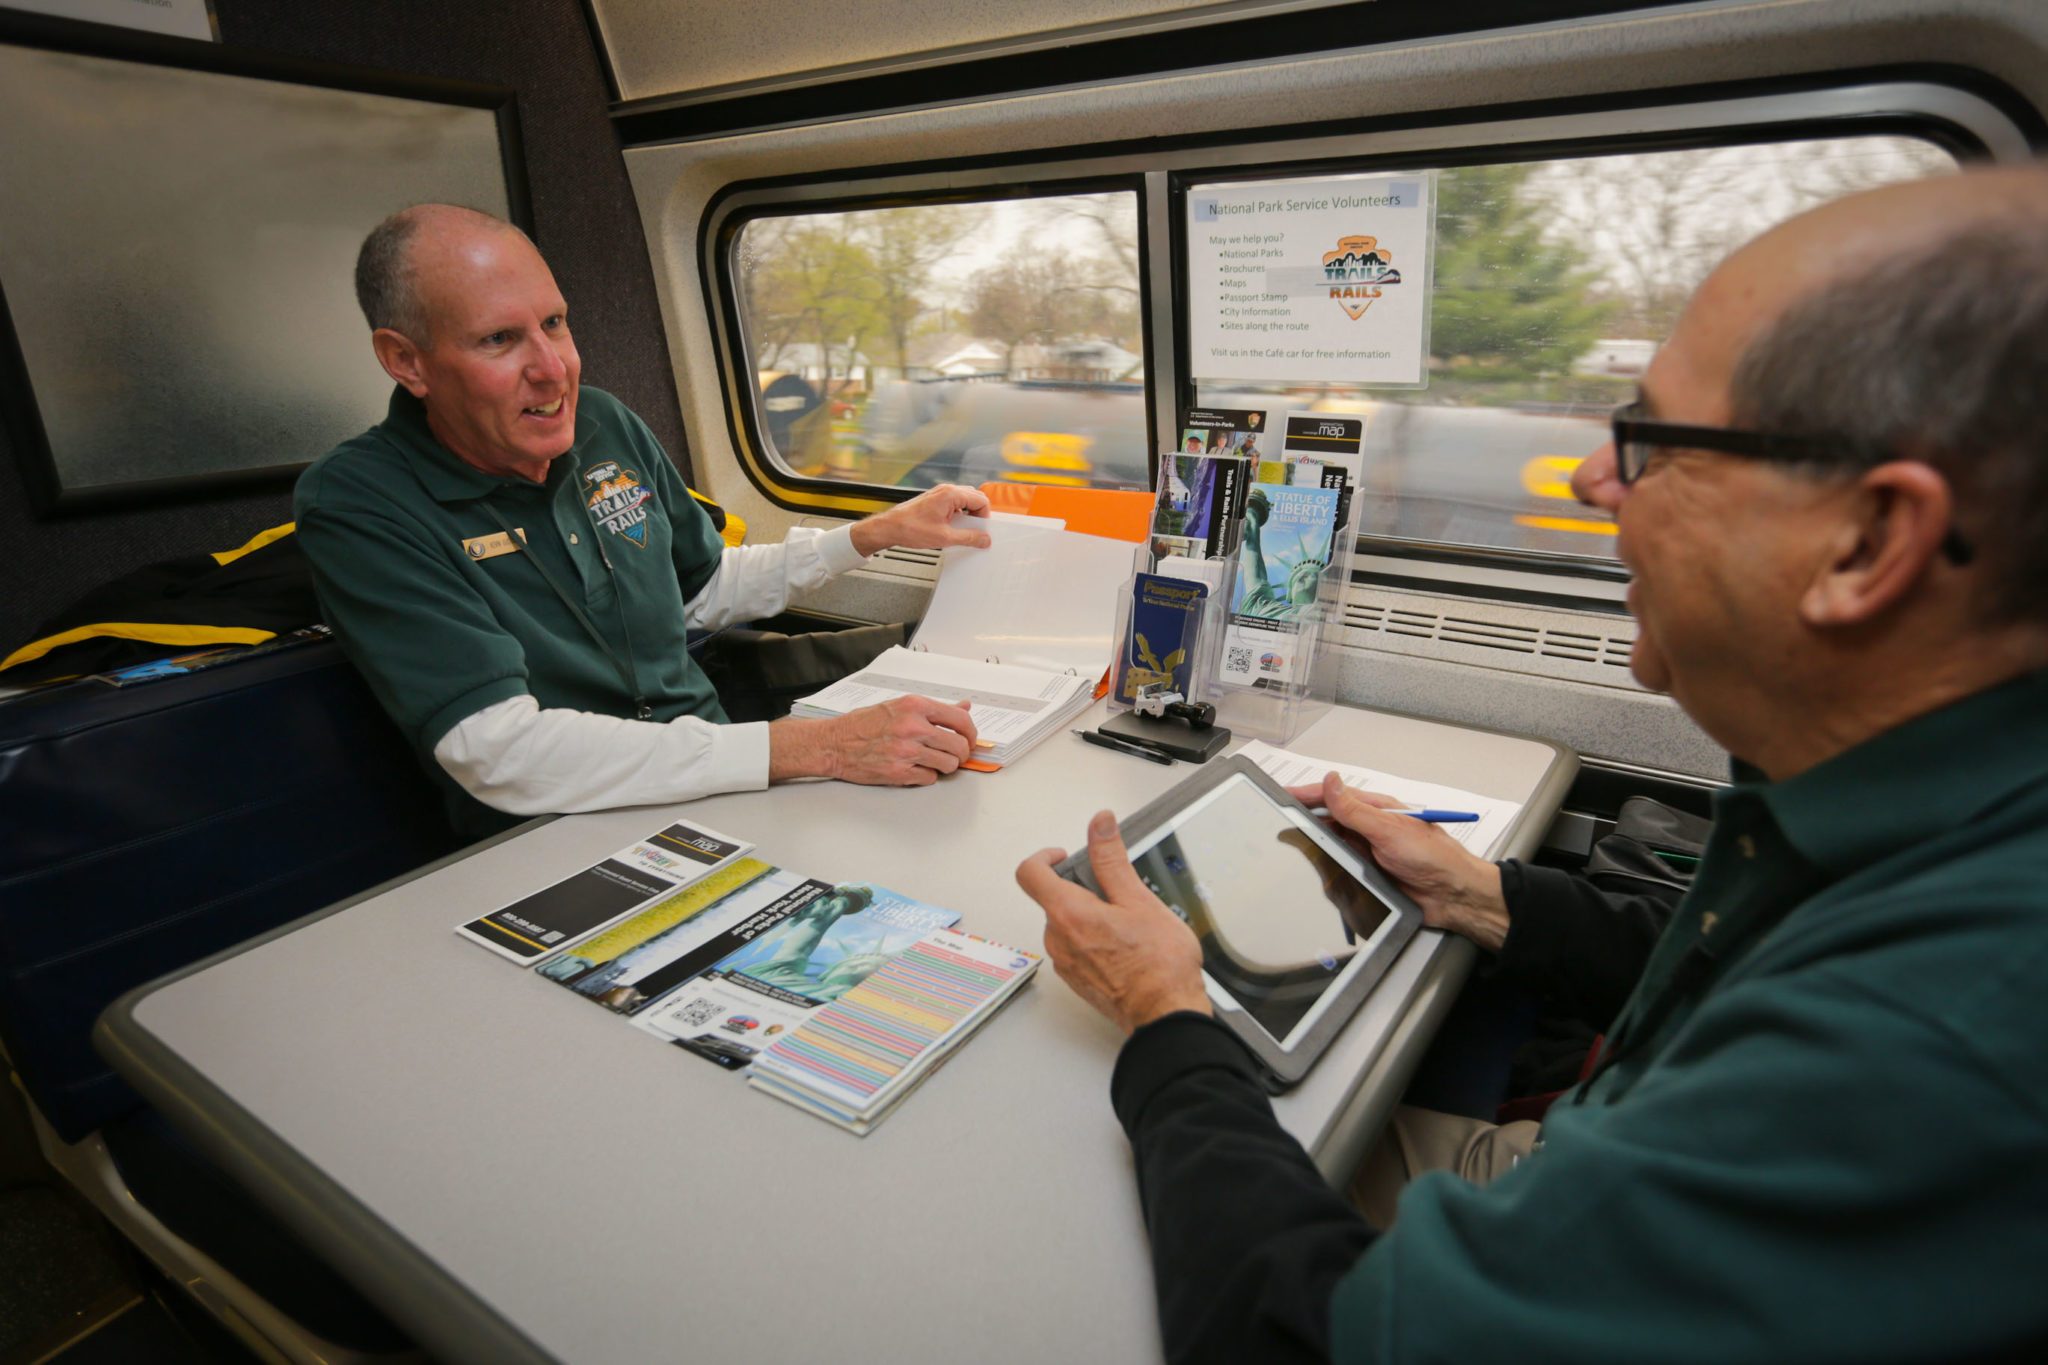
(1582, 644)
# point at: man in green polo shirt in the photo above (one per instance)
(513, 563)
(1818, 1129)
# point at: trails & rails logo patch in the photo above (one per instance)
(1357, 272)
(618, 501)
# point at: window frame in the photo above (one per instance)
(742, 407)
(1941, 107)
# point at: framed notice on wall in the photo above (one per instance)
(177, 253)
(1311, 281)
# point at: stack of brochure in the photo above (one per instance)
(1023, 629)
(853, 1061)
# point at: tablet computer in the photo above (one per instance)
(1296, 926)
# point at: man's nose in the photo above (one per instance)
(544, 363)
(1596, 482)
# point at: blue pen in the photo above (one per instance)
(1434, 817)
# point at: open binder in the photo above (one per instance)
(1023, 630)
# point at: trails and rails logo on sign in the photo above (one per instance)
(1357, 271)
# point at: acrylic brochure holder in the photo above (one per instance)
(1273, 606)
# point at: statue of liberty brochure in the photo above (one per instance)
(552, 918)
(778, 979)
(1274, 601)
(856, 1059)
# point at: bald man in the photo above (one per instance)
(513, 563)
(1817, 1129)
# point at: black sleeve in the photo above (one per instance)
(1248, 1239)
(1578, 948)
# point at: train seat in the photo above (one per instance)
(148, 827)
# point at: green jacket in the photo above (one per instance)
(1820, 1130)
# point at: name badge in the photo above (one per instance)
(491, 546)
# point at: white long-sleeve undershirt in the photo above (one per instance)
(519, 758)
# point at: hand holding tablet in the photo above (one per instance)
(1124, 952)
(1292, 924)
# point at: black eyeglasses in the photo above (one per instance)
(1635, 436)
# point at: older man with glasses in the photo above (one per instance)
(1817, 1128)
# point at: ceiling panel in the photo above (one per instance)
(686, 47)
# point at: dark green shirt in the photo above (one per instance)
(1822, 1128)
(407, 548)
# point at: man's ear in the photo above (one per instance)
(400, 359)
(1889, 534)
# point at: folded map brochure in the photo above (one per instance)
(854, 1060)
(777, 978)
(659, 865)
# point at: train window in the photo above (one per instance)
(956, 342)
(1555, 281)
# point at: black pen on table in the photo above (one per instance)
(1126, 746)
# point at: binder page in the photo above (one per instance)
(1009, 701)
(1040, 595)
(1290, 769)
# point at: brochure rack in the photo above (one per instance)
(1264, 655)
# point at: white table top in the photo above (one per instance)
(514, 1173)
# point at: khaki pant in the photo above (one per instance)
(1419, 1140)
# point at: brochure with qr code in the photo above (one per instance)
(776, 979)
(556, 916)
(1275, 604)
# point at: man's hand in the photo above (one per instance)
(907, 742)
(925, 522)
(1128, 956)
(1457, 890)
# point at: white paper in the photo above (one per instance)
(1311, 281)
(1043, 598)
(1291, 769)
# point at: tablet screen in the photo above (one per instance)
(1278, 914)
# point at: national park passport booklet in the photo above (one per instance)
(1165, 627)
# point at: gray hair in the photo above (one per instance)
(384, 279)
(1941, 355)
(386, 282)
